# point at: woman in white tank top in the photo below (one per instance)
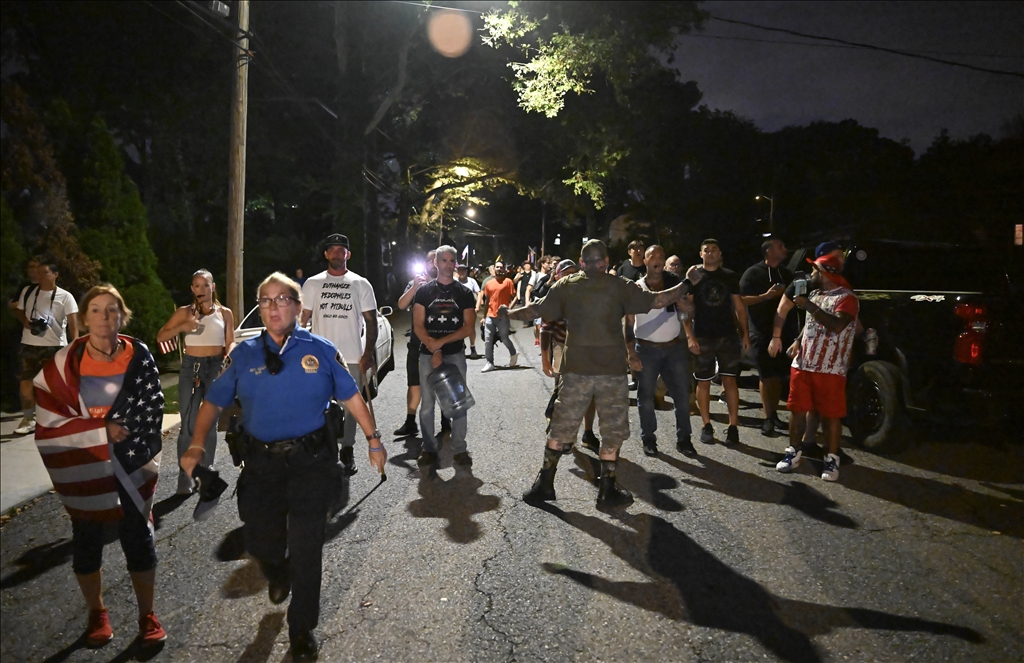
(209, 330)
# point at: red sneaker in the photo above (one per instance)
(150, 631)
(98, 632)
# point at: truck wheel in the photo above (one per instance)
(875, 411)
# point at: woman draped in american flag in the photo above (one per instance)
(99, 419)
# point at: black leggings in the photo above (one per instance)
(133, 530)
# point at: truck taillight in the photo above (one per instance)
(970, 345)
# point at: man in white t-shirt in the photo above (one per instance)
(49, 323)
(342, 305)
(656, 348)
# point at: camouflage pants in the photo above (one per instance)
(610, 394)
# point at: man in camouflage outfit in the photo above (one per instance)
(594, 365)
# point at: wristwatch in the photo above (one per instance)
(375, 436)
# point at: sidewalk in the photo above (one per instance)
(22, 475)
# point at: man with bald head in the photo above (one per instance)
(656, 347)
(674, 265)
(593, 303)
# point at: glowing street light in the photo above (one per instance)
(471, 212)
(771, 211)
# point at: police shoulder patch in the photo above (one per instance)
(338, 358)
(224, 364)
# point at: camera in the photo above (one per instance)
(38, 326)
(800, 284)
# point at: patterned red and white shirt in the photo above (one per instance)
(822, 351)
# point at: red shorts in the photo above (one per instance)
(821, 392)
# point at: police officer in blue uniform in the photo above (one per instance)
(285, 379)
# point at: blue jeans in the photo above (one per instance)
(459, 421)
(499, 327)
(190, 397)
(671, 363)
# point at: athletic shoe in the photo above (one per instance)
(25, 427)
(426, 458)
(98, 632)
(513, 360)
(790, 461)
(831, 471)
(150, 631)
(488, 367)
(463, 459)
(536, 342)
(685, 447)
(474, 354)
(650, 448)
(707, 434)
(768, 427)
(590, 441)
(408, 428)
(732, 436)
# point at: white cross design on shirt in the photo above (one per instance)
(443, 319)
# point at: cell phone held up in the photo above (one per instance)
(800, 284)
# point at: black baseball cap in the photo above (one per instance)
(335, 239)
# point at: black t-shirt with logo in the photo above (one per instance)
(631, 273)
(756, 281)
(712, 300)
(444, 306)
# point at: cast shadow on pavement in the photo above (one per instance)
(135, 651)
(689, 584)
(259, 650)
(37, 561)
(727, 480)
(644, 485)
(931, 496)
(165, 506)
(456, 500)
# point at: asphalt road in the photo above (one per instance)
(915, 557)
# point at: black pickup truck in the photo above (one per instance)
(942, 340)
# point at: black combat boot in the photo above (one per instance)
(543, 489)
(608, 491)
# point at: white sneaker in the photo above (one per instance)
(791, 460)
(831, 471)
(488, 367)
(25, 427)
(513, 360)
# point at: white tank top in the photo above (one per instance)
(210, 332)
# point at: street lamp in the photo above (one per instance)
(771, 211)
(471, 212)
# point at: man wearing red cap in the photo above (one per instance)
(817, 379)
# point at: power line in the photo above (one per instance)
(429, 6)
(806, 43)
(872, 47)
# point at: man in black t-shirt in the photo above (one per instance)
(634, 267)
(443, 314)
(761, 287)
(711, 336)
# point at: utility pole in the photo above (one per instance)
(236, 182)
(543, 223)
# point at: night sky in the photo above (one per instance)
(778, 85)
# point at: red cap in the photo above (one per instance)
(833, 267)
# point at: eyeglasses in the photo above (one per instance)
(281, 301)
(273, 361)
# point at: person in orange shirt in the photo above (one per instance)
(499, 291)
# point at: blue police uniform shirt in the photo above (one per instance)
(291, 403)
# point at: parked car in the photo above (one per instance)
(943, 339)
(252, 325)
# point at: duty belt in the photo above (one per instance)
(310, 442)
(655, 344)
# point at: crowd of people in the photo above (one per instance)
(599, 329)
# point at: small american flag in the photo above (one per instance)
(84, 466)
(170, 345)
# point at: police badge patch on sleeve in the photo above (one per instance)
(224, 365)
(310, 363)
(341, 360)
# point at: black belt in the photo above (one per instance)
(655, 344)
(309, 442)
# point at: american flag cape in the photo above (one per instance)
(84, 467)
